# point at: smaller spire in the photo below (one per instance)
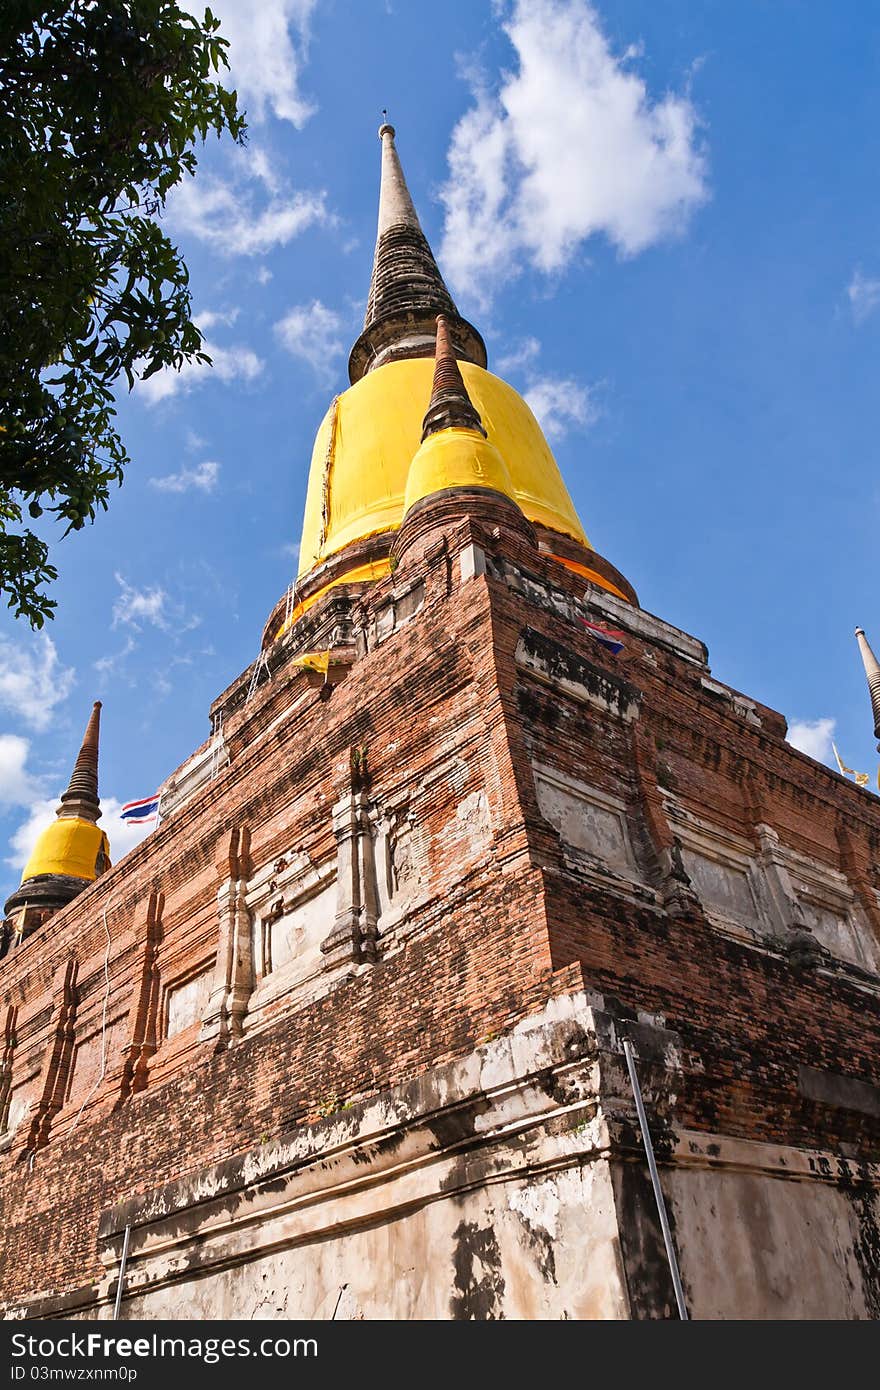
(450, 406)
(455, 453)
(69, 854)
(81, 798)
(872, 671)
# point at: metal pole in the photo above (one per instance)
(655, 1180)
(122, 1264)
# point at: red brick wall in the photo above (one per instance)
(479, 954)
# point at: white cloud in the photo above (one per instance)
(202, 478)
(230, 215)
(569, 146)
(134, 607)
(236, 363)
(254, 163)
(32, 680)
(114, 662)
(312, 332)
(41, 813)
(864, 296)
(521, 357)
(264, 275)
(194, 442)
(17, 785)
(267, 46)
(812, 736)
(561, 403)
(209, 318)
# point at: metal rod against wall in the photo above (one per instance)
(122, 1264)
(655, 1180)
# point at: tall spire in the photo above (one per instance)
(407, 291)
(872, 671)
(450, 406)
(81, 798)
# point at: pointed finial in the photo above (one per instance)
(81, 798)
(872, 671)
(450, 406)
(407, 290)
(396, 207)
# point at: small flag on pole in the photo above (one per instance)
(140, 812)
(608, 636)
(860, 778)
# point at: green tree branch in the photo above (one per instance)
(102, 107)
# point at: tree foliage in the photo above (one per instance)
(102, 106)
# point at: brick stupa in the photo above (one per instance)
(473, 823)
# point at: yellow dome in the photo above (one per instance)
(68, 846)
(455, 458)
(370, 435)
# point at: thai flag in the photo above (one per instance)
(139, 812)
(608, 636)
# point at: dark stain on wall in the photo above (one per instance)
(479, 1282)
(648, 1280)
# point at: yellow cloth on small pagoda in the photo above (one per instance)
(68, 846)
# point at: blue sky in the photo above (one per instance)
(666, 221)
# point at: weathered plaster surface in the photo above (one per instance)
(760, 1247)
(509, 1184)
